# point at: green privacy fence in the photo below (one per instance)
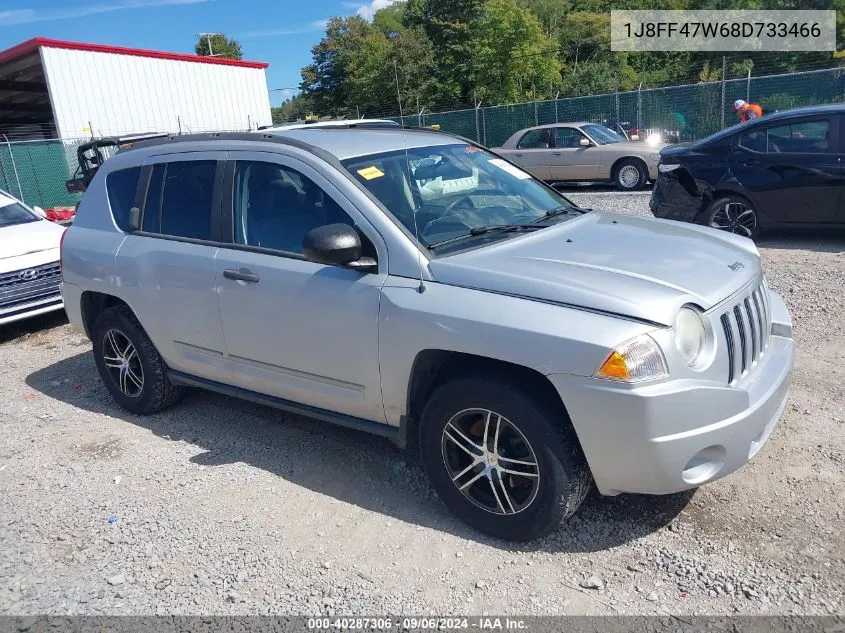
(685, 112)
(36, 171)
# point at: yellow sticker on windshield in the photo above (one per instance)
(370, 172)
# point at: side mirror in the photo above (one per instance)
(584, 142)
(336, 245)
(39, 211)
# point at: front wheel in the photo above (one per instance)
(500, 460)
(734, 215)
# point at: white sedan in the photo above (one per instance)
(30, 273)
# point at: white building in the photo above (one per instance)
(57, 89)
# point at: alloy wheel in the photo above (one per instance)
(123, 363)
(629, 176)
(735, 217)
(490, 461)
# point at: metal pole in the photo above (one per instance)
(639, 105)
(617, 99)
(748, 87)
(14, 168)
(724, 64)
(536, 113)
(208, 39)
(477, 128)
(557, 120)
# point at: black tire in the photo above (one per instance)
(623, 175)
(564, 478)
(156, 392)
(730, 213)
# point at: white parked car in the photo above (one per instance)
(30, 273)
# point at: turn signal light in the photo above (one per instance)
(638, 359)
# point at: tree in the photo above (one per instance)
(292, 109)
(221, 46)
(414, 56)
(589, 66)
(391, 19)
(551, 13)
(325, 79)
(448, 24)
(512, 54)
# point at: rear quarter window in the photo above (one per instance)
(121, 186)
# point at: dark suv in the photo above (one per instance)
(783, 170)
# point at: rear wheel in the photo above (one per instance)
(129, 363)
(500, 460)
(630, 175)
(733, 214)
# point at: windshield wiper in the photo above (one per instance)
(483, 230)
(553, 213)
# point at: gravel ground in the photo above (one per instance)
(224, 507)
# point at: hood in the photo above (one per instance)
(638, 267)
(673, 150)
(30, 237)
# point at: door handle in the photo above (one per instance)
(518, 154)
(555, 153)
(241, 274)
(751, 163)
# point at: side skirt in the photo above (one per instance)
(383, 430)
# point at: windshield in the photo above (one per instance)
(602, 135)
(16, 213)
(443, 191)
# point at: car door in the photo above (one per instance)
(294, 329)
(571, 160)
(533, 153)
(790, 169)
(166, 268)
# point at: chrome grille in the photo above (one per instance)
(747, 326)
(29, 284)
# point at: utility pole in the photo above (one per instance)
(207, 37)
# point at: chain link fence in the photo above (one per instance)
(36, 171)
(684, 113)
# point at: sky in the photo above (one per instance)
(279, 32)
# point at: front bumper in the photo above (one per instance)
(670, 200)
(675, 435)
(31, 309)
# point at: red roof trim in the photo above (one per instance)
(35, 43)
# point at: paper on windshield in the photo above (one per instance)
(369, 173)
(506, 166)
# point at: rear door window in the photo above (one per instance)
(179, 199)
(534, 139)
(121, 186)
(803, 137)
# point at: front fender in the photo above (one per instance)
(544, 337)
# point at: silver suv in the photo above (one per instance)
(414, 285)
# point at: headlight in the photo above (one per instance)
(638, 359)
(692, 335)
(664, 167)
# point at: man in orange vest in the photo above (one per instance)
(747, 111)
